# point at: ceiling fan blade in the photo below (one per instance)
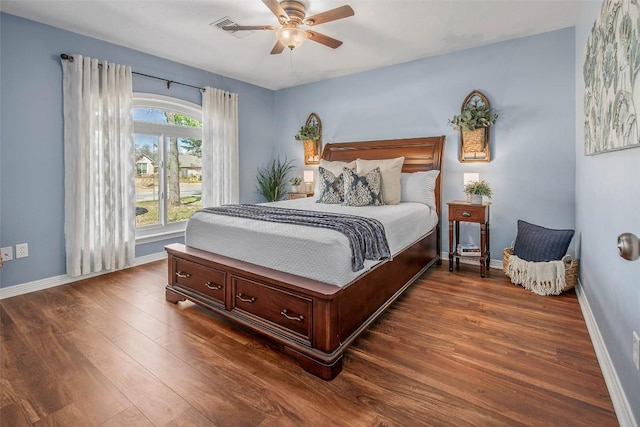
(277, 48)
(329, 15)
(322, 39)
(247, 27)
(277, 10)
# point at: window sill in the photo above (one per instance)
(156, 234)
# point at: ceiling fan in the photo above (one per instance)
(291, 15)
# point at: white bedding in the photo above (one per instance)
(316, 253)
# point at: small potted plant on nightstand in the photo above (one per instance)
(295, 184)
(477, 189)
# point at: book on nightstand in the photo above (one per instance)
(469, 249)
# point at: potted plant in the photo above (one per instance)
(474, 118)
(477, 189)
(309, 135)
(311, 132)
(295, 184)
(272, 179)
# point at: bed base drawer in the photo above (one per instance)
(313, 322)
(204, 280)
(265, 303)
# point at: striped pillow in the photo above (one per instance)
(419, 187)
(539, 244)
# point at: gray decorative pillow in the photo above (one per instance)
(362, 190)
(539, 244)
(330, 187)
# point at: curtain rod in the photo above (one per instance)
(169, 82)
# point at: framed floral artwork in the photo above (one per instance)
(611, 70)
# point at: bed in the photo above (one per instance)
(314, 319)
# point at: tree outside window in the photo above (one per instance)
(168, 154)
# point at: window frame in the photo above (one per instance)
(157, 232)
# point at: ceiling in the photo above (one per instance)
(381, 33)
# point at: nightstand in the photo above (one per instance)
(299, 195)
(460, 211)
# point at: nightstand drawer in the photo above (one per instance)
(467, 213)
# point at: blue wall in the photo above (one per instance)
(538, 171)
(530, 81)
(31, 135)
(608, 204)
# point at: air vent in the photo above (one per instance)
(225, 22)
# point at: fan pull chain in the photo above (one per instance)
(291, 59)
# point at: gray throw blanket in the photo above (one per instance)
(366, 235)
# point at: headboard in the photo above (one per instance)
(420, 154)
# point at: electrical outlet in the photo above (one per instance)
(22, 250)
(7, 253)
(636, 350)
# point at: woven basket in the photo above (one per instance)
(310, 153)
(473, 140)
(570, 268)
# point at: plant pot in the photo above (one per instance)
(295, 188)
(476, 199)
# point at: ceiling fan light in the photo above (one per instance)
(291, 36)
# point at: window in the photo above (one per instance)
(168, 156)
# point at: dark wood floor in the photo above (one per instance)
(455, 350)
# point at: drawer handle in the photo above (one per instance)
(299, 318)
(183, 275)
(466, 214)
(212, 286)
(241, 298)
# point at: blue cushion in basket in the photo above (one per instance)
(538, 244)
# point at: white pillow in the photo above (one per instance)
(391, 170)
(419, 187)
(335, 168)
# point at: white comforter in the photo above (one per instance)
(316, 253)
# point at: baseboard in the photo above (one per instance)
(494, 263)
(50, 282)
(616, 392)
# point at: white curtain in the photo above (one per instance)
(99, 166)
(220, 170)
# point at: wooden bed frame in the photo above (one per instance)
(312, 321)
